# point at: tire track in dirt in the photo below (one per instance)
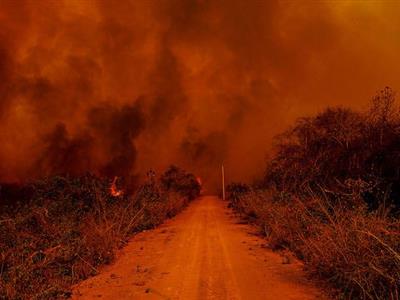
(203, 253)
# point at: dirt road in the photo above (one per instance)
(203, 253)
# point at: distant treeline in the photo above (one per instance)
(348, 155)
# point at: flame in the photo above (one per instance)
(114, 190)
(198, 179)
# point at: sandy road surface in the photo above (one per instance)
(203, 253)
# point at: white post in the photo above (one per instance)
(223, 182)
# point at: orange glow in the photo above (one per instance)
(121, 87)
(114, 190)
(200, 182)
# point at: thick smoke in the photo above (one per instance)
(104, 145)
(118, 87)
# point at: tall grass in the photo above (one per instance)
(67, 227)
(355, 251)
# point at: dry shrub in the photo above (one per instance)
(68, 227)
(174, 204)
(343, 152)
(355, 251)
(358, 253)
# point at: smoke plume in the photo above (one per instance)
(118, 87)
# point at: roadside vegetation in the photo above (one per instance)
(331, 195)
(57, 231)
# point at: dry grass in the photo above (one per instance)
(70, 226)
(357, 252)
(330, 194)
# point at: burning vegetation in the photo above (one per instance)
(56, 231)
(330, 194)
(114, 191)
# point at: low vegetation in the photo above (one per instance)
(331, 196)
(57, 231)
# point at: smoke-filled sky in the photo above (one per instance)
(118, 87)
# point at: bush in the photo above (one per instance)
(339, 147)
(235, 192)
(177, 180)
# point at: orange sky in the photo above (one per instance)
(123, 86)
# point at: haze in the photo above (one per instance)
(119, 87)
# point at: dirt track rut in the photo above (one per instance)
(203, 253)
